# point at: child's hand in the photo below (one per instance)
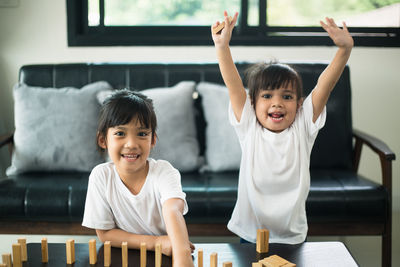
(341, 37)
(222, 38)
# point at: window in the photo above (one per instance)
(261, 22)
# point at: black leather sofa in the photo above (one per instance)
(340, 202)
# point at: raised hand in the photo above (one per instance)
(341, 37)
(223, 38)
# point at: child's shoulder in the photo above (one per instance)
(103, 168)
(160, 164)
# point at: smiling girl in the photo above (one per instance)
(276, 131)
(135, 198)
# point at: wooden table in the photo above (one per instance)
(308, 254)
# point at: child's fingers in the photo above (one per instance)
(235, 17)
(331, 22)
(213, 26)
(324, 26)
(345, 27)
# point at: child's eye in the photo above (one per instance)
(119, 133)
(143, 134)
(287, 97)
(267, 96)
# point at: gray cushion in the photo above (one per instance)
(222, 146)
(177, 140)
(55, 129)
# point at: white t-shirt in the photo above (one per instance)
(110, 204)
(274, 177)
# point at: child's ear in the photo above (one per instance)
(153, 140)
(300, 103)
(101, 140)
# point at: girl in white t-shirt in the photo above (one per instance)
(276, 128)
(134, 198)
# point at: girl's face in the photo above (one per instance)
(129, 147)
(276, 109)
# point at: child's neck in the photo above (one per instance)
(135, 181)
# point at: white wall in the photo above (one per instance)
(35, 32)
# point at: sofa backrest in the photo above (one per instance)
(332, 149)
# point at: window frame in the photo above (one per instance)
(81, 34)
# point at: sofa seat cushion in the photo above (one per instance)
(44, 196)
(343, 196)
(335, 196)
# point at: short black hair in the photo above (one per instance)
(123, 106)
(271, 76)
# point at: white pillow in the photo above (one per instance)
(176, 129)
(55, 129)
(223, 151)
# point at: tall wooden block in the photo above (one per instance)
(200, 258)
(262, 245)
(16, 251)
(7, 259)
(70, 251)
(92, 251)
(124, 248)
(143, 254)
(158, 255)
(107, 253)
(45, 250)
(214, 259)
(24, 255)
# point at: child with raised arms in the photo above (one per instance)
(135, 198)
(276, 129)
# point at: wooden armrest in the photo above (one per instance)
(6, 139)
(386, 155)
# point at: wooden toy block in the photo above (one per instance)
(143, 254)
(45, 250)
(16, 253)
(7, 259)
(70, 251)
(3, 265)
(219, 28)
(214, 259)
(262, 245)
(278, 260)
(158, 255)
(289, 264)
(92, 251)
(124, 248)
(107, 253)
(256, 264)
(227, 264)
(24, 255)
(200, 258)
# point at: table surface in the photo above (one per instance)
(308, 254)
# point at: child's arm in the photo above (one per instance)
(228, 69)
(329, 77)
(177, 232)
(117, 236)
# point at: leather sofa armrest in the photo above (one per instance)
(7, 139)
(386, 155)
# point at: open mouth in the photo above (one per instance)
(276, 116)
(130, 157)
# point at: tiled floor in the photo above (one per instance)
(366, 250)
